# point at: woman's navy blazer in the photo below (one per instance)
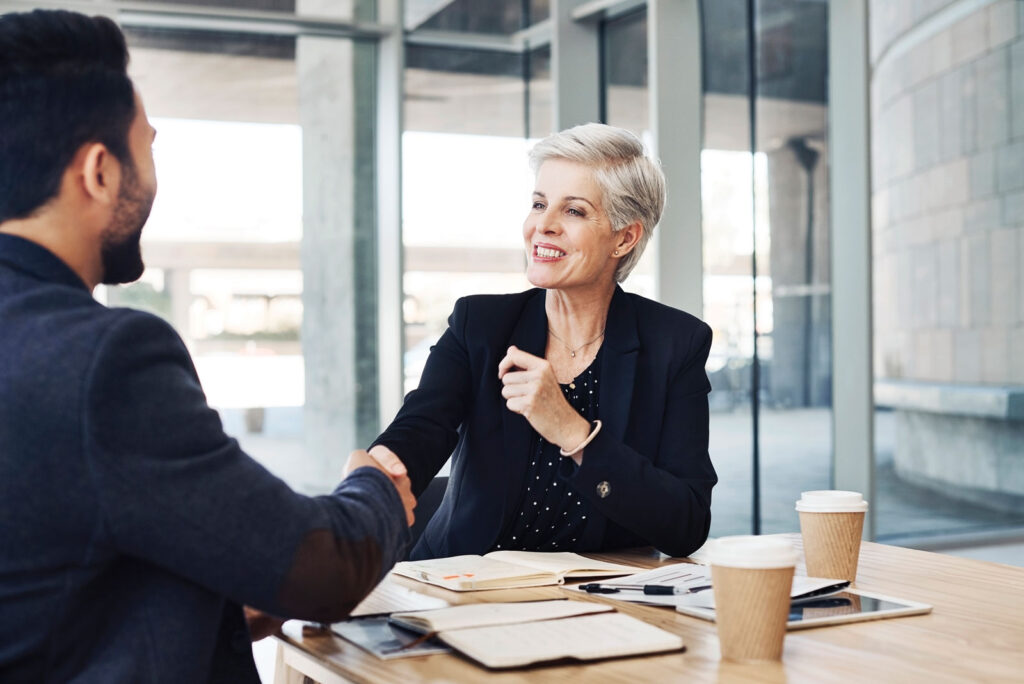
(647, 475)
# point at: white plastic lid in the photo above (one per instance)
(748, 551)
(831, 501)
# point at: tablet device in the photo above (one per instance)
(851, 605)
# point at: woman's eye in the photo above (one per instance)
(575, 212)
(538, 206)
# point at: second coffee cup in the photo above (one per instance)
(831, 524)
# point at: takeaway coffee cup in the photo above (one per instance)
(752, 578)
(831, 522)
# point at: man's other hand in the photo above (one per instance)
(260, 624)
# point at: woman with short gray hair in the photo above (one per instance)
(575, 414)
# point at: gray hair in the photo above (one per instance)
(632, 184)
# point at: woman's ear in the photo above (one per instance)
(628, 238)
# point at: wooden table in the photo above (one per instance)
(974, 633)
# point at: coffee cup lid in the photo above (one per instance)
(831, 501)
(749, 551)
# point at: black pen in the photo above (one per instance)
(649, 589)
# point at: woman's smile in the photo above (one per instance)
(543, 252)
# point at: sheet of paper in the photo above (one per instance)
(485, 614)
(390, 597)
(588, 637)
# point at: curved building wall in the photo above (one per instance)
(947, 121)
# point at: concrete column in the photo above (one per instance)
(575, 67)
(850, 187)
(336, 101)
(677, 124)
(178, 287)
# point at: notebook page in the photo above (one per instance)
(463, 573)
(562, 562)
(474, 615)
(390, 597)
(588, 637)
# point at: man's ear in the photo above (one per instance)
(628, 237)
(100, 172)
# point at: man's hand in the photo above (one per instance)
(393, 469)
(260, 624)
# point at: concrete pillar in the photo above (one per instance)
(178, 287)
(677, 123)
(575, 67)
(336, 101)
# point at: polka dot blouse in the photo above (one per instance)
(551, 514)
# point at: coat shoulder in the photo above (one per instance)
(662, 318)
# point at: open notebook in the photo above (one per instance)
(507, 570)
(503, 635)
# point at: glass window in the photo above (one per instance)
(223, 242)
(466, 186)
(624, 43)
(625, 104)
(540, 113)
(466, 16)
(766, 254)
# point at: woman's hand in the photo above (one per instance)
(531, 390)
(384, 459)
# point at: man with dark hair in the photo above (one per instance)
(132, 529)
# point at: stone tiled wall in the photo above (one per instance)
(948, 190)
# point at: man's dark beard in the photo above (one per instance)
(121, 253)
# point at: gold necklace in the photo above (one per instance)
(572, 352)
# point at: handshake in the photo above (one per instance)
(385, 460)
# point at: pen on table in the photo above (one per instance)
(649, 589)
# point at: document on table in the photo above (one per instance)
(500, 635)
(697, 578)
(588, 637)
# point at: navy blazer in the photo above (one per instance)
(131, 527)
(650, 460)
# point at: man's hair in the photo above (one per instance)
(63, 83)
(632, 184)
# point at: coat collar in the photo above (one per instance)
(618, 367)
(37, 261)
